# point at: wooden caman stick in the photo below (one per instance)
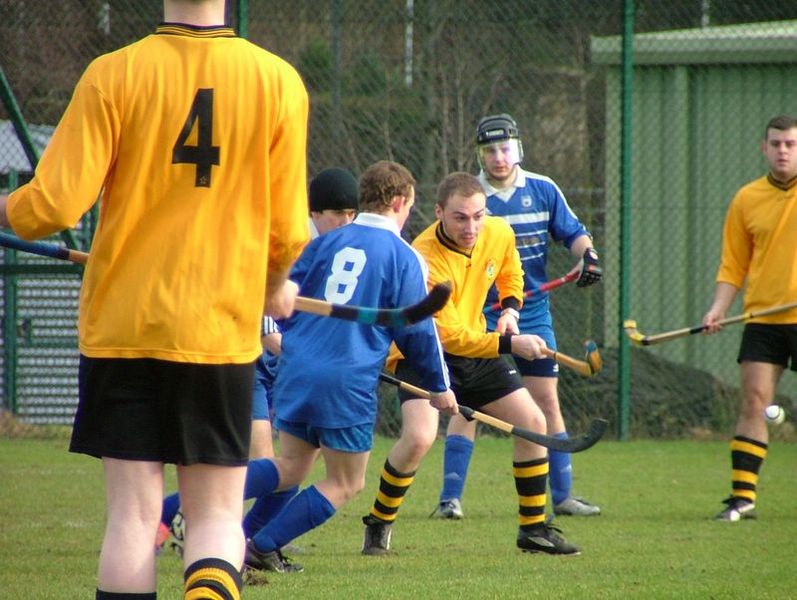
(594, 433)
(588, 367)
(640, 339)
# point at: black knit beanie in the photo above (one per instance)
(334, 189)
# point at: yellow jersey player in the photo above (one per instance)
(475, 252)
(759, 250)
(195, 140)
(539, 214)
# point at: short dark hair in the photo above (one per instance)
(381, 182)
(460, 183)
(781, 123)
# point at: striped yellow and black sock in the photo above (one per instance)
(392, 488)
(212, 579)
(747, 456)
(531, 477)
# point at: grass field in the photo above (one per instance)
(655, 538)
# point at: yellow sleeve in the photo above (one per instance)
(73, 167)
(289, 230)
(737, 247)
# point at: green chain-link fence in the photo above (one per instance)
(408, 80)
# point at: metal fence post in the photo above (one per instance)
(626, 91)
(10, 322)
(242, 10)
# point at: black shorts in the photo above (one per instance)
(162, 411)
(474, 381)
(766, 343)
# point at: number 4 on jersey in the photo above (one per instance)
(204, 155)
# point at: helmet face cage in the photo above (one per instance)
(511, 149)
(498, 133)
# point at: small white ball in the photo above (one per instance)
(774, 414)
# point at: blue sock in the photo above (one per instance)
(560, 476)
(455, 466)
(262, 478)
(171, 504)
(308, 509)
(266, 508)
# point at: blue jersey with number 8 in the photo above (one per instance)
(329, 369)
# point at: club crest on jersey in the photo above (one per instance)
(490, 270)
(525, 201)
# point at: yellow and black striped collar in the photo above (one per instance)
(783, 185)
(447, 242)
(196, 31)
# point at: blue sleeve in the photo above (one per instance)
(298, 274)
(419, 343)
(305, 260)
(563, 225)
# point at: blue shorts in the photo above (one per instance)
(535, 320)
(260, 404)
(359, 438)
(542, 367)
(265, 372)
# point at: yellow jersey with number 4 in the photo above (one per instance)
(196, 141)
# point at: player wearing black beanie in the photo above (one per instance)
(333, 199)
(334, 189)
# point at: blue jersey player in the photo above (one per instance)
(325, 391)
(539, 214)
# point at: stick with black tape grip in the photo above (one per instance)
(594, 433)
(386, 317)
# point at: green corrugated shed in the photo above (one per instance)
(767, 43)
(701, 99)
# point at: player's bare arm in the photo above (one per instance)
(281, 295)
(3, 217)
(272, 343)
(508, 322)
(724, 295)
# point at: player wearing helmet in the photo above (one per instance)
(539, 214)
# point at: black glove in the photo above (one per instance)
(590, 270)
